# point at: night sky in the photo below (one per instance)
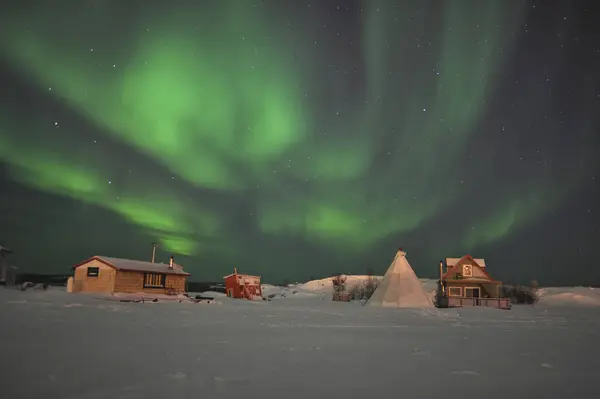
(298, 139)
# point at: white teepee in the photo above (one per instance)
(400, 287)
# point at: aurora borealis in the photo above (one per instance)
(297, 139)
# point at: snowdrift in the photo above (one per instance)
(582, 296)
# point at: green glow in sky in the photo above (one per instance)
(222, 101)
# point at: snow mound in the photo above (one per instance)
(583, 296)
(268, 289)
(213, 294)
(326, 284)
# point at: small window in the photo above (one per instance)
(93, 271)
(455, 291)
(467, 270)
(154, 280)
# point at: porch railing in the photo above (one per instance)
(502, 303)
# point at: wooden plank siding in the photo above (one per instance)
(104, 282)
(130, 281)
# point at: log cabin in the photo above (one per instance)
(115, 275)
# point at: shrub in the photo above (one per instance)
(364, 289)
(519, 294)
(339, 283)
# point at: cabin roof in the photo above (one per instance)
(450, 262)
(136, 265)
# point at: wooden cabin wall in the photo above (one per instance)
(129, 281)
(176, 282)
(104, 282)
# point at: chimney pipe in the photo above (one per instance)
(235, 270)
(171, 262)
(153, 251)
(441, 274)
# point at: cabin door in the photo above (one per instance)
(472, 292)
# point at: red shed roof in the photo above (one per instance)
(135, 265)
(241, 275)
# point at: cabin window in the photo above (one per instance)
(455, 291)
(93, 271)
(154, 280)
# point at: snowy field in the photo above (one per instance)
(300, 345)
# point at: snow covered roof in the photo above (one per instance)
(450, 262)
(136, 265)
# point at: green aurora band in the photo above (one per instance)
(218, 100)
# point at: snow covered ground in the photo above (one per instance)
(302, 345)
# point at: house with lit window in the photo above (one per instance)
(466, 282)
(115, 275)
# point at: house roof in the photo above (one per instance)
(450, 262)
(135, 265)
(476, 263)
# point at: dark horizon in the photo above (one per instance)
(291, 140)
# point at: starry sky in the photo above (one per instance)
(299, 139)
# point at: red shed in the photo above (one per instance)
(243, 286)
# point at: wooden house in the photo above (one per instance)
(466, 282)
(105, 274)
(243, 286)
